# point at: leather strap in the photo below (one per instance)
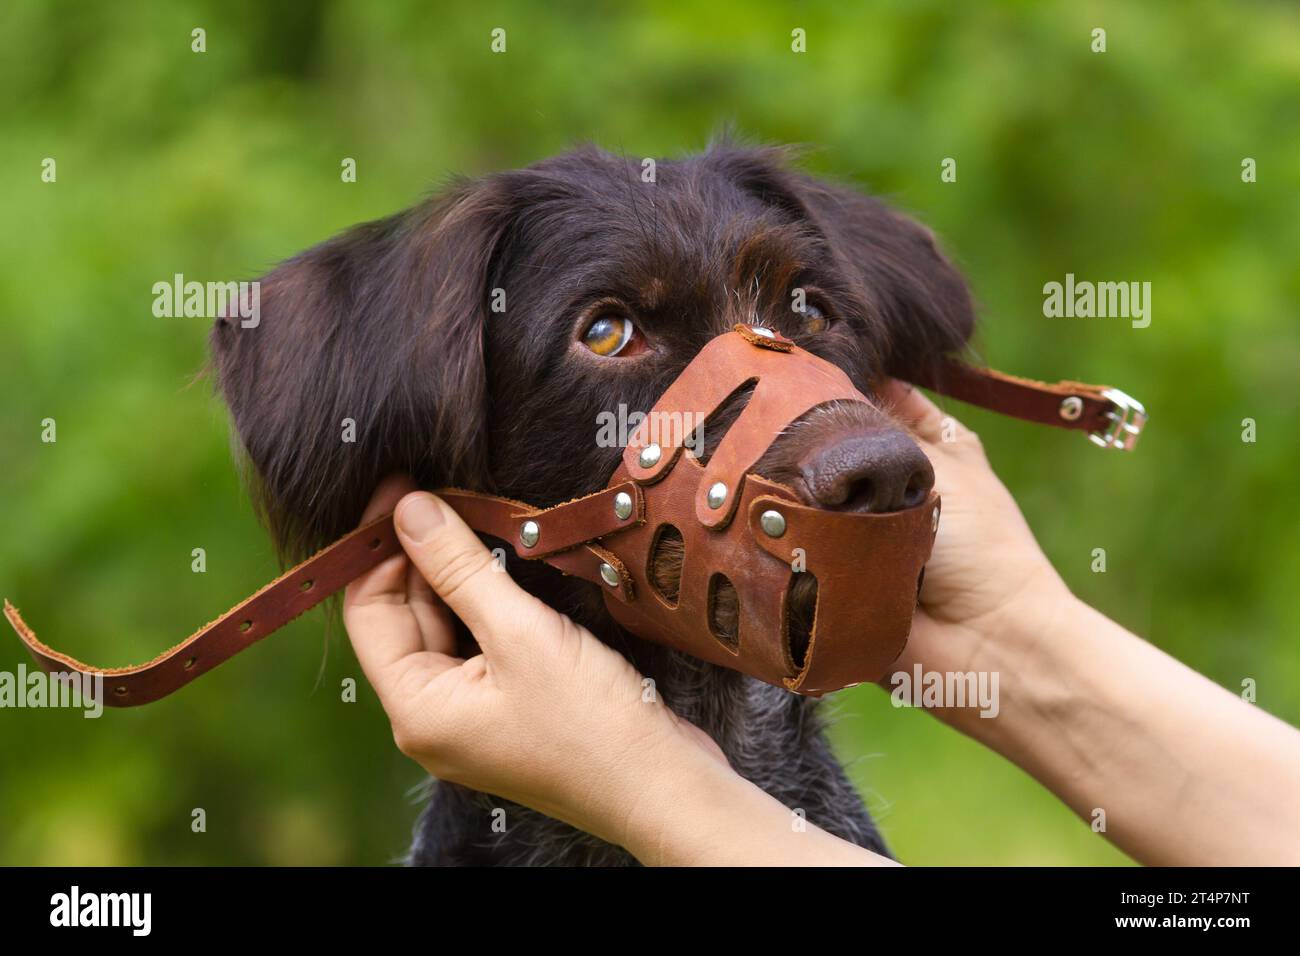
(297, 590)
(558, 528)
(1111, 418)
(333, 568)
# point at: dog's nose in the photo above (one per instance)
(877, 470)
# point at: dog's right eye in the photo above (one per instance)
(613, 334)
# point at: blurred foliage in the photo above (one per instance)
(1116, 166)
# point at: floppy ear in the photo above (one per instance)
(912, 291)
(367, 359)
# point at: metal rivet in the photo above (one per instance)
(772, 523)
(717, 495)
(529, 533)
(609, 575)
(650, 456)
(934, 520)
(763, 331)
(1071, 408)
(623, 505)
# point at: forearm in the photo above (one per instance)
(1185, 772)
(706, 814)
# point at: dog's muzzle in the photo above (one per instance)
(737, 531)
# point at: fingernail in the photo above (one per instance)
(419, 516)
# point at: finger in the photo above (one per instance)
(386, 582)
(382, 627)
(388, 643)
(437, 624)
(908, 404)
(461, 570)
(400, 581)
(390, 491)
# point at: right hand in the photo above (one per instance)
(546, 715)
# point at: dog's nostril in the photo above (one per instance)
(918, 488)
(880, 470)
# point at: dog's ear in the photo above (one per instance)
(366, 359)
(911, 290)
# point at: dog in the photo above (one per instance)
(474, 339)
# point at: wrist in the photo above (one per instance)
(669, 811)
(1022, 644)
(714, 817)
(1016, 630)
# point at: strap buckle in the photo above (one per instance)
(1127, 417)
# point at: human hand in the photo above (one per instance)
(546, 716)
(988, 583)
(1164, 748)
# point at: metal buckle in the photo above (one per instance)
(1127, 417)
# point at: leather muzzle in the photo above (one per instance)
(743, 531)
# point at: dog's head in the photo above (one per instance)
(476, 339)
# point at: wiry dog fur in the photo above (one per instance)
(390, 324)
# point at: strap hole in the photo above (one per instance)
(306, 585)
(189, 665)
(666, 556)
(718, 422)
(800, 617)
(120, 690)
(374, 545)
(724, 612)
(245, 625)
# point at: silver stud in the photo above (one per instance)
(609, 575)
(934, 520)
(763, 331)
(623, 505)
(772, 523)
(650, 456)
(717, 495)
(529, 533)
(1071, 408)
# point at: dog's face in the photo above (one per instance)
(477, 339)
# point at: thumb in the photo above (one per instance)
(461, 571)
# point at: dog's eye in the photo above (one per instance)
(613, 334)
(812, 311)
(814, 319)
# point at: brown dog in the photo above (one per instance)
(475, 339)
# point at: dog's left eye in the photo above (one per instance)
(613, 334)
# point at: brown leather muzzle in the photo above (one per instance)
(738, 530)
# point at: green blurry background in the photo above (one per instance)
(1117, 166)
